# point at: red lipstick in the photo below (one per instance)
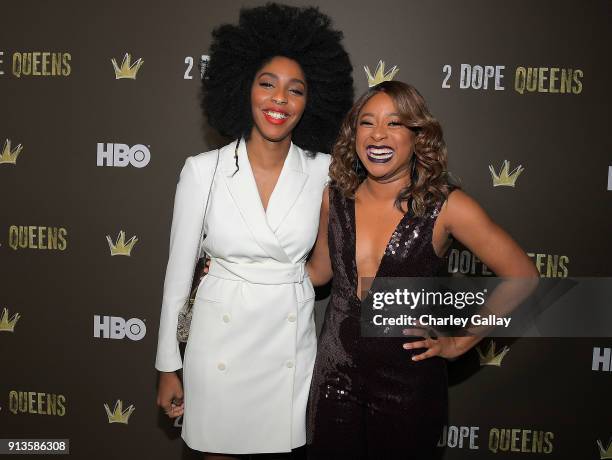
(276, 117)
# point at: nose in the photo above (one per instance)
(280, 96)
(379, 132)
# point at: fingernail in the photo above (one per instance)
(405, 346)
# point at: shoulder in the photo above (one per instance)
(460, 208)
(203, 164)
(205, 159)
(315, 162)
(458, 200)
(317, 167)
(337, 200)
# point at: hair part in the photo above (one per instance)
(430, 182)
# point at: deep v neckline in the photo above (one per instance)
(281, 174)
(384, 256)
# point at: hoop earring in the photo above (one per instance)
(357, 168)
(414, 174)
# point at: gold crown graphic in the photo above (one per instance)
(605, 453)
(118, 415)
(6, 324)
(490, 358)
(504, 178)
(379, 74)
(120, 247)
(7, 156)
(127, 69)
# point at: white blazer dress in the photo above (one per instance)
(249, 358)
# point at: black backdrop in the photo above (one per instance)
(58, 206)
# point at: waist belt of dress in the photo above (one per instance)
(258, 273)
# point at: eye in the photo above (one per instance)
(396, 123)
(297, 92)
(365, 123)
(265, 84)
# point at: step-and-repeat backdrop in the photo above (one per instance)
(99, 109)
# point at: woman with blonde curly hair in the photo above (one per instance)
(390, 211)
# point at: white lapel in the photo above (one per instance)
(288, 188)
(242, 187)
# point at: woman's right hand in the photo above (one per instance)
(170, 394)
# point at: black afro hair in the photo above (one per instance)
(302, 34)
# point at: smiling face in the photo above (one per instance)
(278, 98)
(383, 142)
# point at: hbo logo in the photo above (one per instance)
(114, 327)
(121, 155)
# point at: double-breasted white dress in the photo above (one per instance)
(252, 343)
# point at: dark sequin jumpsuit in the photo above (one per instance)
(368, 399)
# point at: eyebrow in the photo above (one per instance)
(270, 74)
(394, 114)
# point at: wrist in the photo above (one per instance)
(464, 344)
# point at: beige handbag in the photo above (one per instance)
(184, 316)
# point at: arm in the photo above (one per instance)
(184, 242)
(463, 217)
(319, 264)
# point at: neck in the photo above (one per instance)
(266, 153)
(385, 189)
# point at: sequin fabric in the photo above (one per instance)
(368, 399)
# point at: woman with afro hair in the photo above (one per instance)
(279, 83)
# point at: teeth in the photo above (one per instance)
(383, 157)
(276, 115)
(380, 152)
